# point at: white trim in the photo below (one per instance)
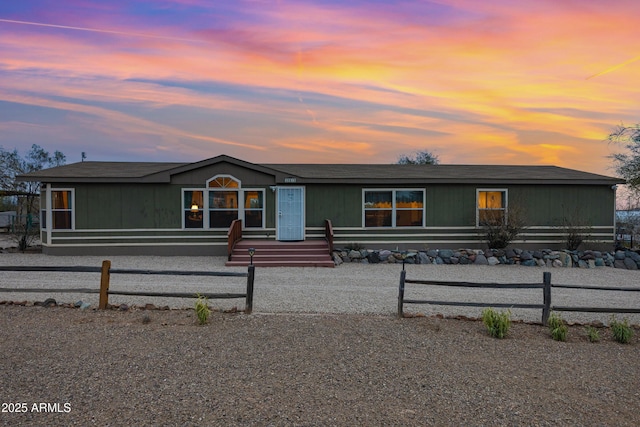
(506, 202)
(48, 214)
(223, 175)
(49, 210)
(89, 245)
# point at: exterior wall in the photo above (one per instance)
(147, 218)
(451, 215)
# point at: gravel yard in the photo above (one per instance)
(323, 347)
(349, 288)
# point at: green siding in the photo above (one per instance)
(341, 204)
(128, 206)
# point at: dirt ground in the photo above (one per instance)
(159, 367)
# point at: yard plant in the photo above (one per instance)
(497, 323)
(593, 334)
(621, 331)
(557, 327)
(202, 309)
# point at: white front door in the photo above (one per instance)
(290, 213)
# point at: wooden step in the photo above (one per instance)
(308, 253)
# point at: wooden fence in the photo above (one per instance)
(105, 275)
(545, 306)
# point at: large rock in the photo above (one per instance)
(446, 253)
(424, 259)
(337, 260)
(493, 260)
(384, 254)
(526, 256)
(373, 257)
(481, 260)
(354, 255)
(630, 264)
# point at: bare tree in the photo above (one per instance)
(628, 164)
(423, 157)
(25, 194)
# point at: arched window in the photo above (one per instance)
(223, 181)
(223, 200)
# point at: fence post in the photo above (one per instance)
(104, 285)
(403, 274)
(546, 296)
(250, 277)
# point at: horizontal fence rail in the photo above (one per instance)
(545, 306)
(106, 271)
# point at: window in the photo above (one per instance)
(394, 208)
(193, 206)
(492, 206)
(220, 203)
(61, 210)
(253, 208)
(223, 208)
(223, 200)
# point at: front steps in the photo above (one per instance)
(307, 253)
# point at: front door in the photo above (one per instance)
(290, 214)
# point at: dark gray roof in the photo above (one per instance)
(99, 171)
(441, 173)
(327, 173)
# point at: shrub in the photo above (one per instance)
(621, 330)
(593, 334)
(500, 229)
(497, 323)
(202, 309)
(557, 327)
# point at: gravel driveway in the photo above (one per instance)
(349, 288)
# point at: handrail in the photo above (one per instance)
(234, 234)
(328, 234)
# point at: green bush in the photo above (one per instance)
(622, 332)
(557, 327)
(593, 334)
(202, 309)
(497, 323)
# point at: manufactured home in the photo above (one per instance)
(194, 208)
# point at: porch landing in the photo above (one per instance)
(307, 253)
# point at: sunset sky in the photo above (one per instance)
(476, 82)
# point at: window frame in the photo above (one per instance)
(505, 202)
(207, 209)
(203, 209)
(394, 209)
(244, 210)
(49, 208)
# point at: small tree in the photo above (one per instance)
(27, 193)
(423, 157)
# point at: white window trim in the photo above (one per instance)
(49, 209)
(206, 210)
(233, 178)
(506, 202)
(242, 209)
(393, 207)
